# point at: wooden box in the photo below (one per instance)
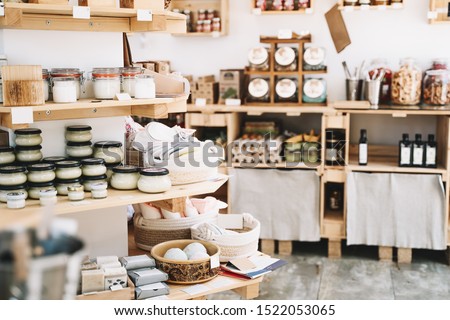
(23, 93)
(97, 3)
(124, 294)
(156, 5)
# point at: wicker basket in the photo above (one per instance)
(150, 232)
(233, 246)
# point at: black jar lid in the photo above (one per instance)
(80, 127)
(108, 144)
(28, 131)
(13, 169)
(79, 144)
(40, 184)
(68, 164)
(15, 187)
(92, 161)
(67, 181)
(94, 178)
(41, 167)
(152, 172)
(28, 148)
(125, 169)
(113, 165)
(54, 159)
(6, 149)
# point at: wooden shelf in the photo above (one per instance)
(371, 8)
(261, 109)
(362, 107)
(392, 167)
(290, 12)
(201, 34)
(282, 165)
(30, 215)
(89, 108)
(60, 17)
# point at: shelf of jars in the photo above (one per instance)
(259, 109)
(90, 108)
(61, 17)
(358, 5)
(31, 214)
(278, 7)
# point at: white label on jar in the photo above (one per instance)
(285, 56)
(314, 56)
(123, 96)
(286, 88)
(144, 15)
(431, 156)
(331, 154)
(258, 88)
(418, 155)
(258, 55)
(22, 115)
(81, 12)
(405, 156)
(362, 153)
(314, 88)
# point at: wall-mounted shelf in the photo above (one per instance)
(394, 6)
(261, 109)
(258, 11)
(60, 17)
(438, 12)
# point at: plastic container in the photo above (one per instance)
(76, 192)
(4, 190)
(99, 190)
(28, 154)
(48, 197)
(145, 87)
(436, 88)
(78, 133)
(407, 83)
(125, 177)
(79, 149)
(106, 83)
(62, 185)
(129, 79)
(41, 172)
(7, 156)
(69, 169)
(28, 137)
(110, 151)
(64, 89)
(74, 73)
(154, 180)
(35, 188)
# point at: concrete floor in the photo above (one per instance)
(310, 275)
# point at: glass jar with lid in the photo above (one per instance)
(110, 151)
(436, 88)
(76, 192)
(41, 172)
(201, 14)
(216, 26)
(407, 83)
(93, 167)
(69, 169)
(7, 156)
(28, 155)
(48, 197)
(64, 89)
(315, 91)
(99, 190)
(78, 133)
(88, 182)
(129, 79)
(145, 87)
(46, 80)
(125, 177)
(35, 188)
(258, 90)
(286, 59)
(12, 175)
(376, 66)
(79, 149)
(154, 180)
(207, 26)
(286, 90)
(62, 185)
(28, 137)
(210, 14)
(277, 5)
(74, 73)
(314, 59)
(109, 169)
(259, 59)
(439, 64)
(199, 26)
(15, 200)
(4, 190)
(106, 83)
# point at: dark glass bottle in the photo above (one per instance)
(418, 151)
(405, 155)
(363, 148)
(431, 152)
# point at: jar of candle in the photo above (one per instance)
(125, 177)
(79, 149)
(129, 79)
(99, 190)
(69, 169)
(258, 90)
(12, 175)
(145, 87)
(6, 155)
(76, 192)
(315, 91)
(41, 172)
(62, 185)
(286, 59)
(78, 133)
(53, 160)
(89, 181)
(259, 59)
(64, 90)
(110, 151)
(109, 169)
(216, 24)
(28, 137)
(28, 154)
(207, 27)
(73, 73)
(154, 180)
(16, 200)
(35, 188)
(4, 190)
(106, 83)
(286, 90)
(93, 167)
(46, 81)
(47, 197)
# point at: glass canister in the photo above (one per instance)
(125, 177)
(64, 89)
(286, 59)
(315, 91)
(78, 133)
(69, 169)
(145, 87)
(199, 26)
(258, 90)
(106, 83)
(277, 5)
(154, 180)
(207, 26)
(75, 73)
(16, 200)
(46, 80)
(29, 155)
(314, 59)
(12, 175)
(93, 167)
(41, 172)
(28, 137)
(88, 182)
(436, 88)
(286, 90)
(35, 188)
(259, 59)
(110, 151)
(288, 5)
(407, 83)
(62, 185)
(79, 150)
(376, 66)
(216, 26)
(7, 156)
(210, 14)
(129, 79)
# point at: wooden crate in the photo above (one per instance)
(124, 294)
(23, 93)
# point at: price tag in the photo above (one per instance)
(214, 261)
(233, 102)
(364, 8)
(348, 8)
(397, 5)
(123, 96)
(381, 8)
(309, 11)
(432, 15)
(200, 102)
(215, 34)
(80, 12)
(22, 115)
(285, 34)
(2, 9)
(144, 15)
(257, 11)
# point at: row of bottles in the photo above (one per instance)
(418, 153)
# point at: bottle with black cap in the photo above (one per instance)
(405, 147)
(418, 151)
(362, 150)
(431, 152)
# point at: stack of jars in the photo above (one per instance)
(207, 21)
(111, 152)
(78, 142)
(28, 146)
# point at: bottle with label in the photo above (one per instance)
(362, 150)
(431, 152)
(418, 151)
(405, 151)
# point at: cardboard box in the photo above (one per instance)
(206, 90)
(231, 84)
(207, 78)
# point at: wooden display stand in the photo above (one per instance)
(272, 74)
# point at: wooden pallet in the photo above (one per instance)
(268, 246)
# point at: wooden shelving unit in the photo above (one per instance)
(60, 17)
(438, 12)
(395, 6)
